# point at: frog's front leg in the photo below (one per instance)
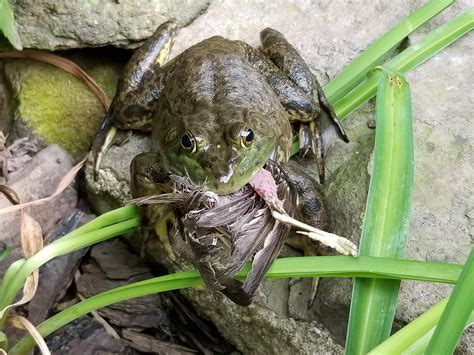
(138, 89)
(148, 177)
(285, 57)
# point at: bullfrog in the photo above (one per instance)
(218, 112)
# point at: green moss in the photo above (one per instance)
(59, 107)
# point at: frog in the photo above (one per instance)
(218, 112)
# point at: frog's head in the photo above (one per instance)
(221, 147)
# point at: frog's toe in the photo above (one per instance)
(100, 146)
(311, 139)
(162, 225)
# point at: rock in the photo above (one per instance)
(439, 230)
(38, 179)
(62, 25)
(259, 330)
(56, 107)
(86, 336)
(57, 275)
(148, 344)
(151, 323)
(112, 187)
(113, 266)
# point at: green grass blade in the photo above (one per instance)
(8, 26)
(410, 58)
(107, 219)
(362, 266)
(387, 214)
(5, 252)
(414, 332)
(380, 49)
(456, 314)
(415, 336)
(328, 266)
(10, 289)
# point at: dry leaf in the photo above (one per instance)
(29, 290)
(31, 235)
(23, 323)
(63, 64)
(66, 180)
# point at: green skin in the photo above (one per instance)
(216, 91)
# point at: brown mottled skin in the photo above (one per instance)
(218, 112)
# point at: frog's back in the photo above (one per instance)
(217, 70)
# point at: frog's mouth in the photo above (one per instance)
(226, 178)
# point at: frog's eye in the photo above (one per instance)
(188, 142)
(246, 138)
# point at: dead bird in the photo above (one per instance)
(225, 231)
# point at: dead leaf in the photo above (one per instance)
(66, 180)
(64, 64)
(23, 323)
(31, 235)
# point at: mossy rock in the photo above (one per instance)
(55, 106)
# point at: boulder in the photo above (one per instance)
(54, 106)
(329, 35)
(54, 25)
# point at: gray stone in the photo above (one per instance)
(38, 179)
(52, 105)
(441, 228)
(112, 266)
(86, 336)
(56, 24)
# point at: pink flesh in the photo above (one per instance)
(264, 185)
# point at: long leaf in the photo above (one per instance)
(410, 58)
(10, 287)
(415, 336)
(328, 266)
(380, 49)
(387, 214)
(8, 25)
(457, 312)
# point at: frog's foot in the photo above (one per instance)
(310, 138)
(326, 106)
(102, 142)
(161, 227)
